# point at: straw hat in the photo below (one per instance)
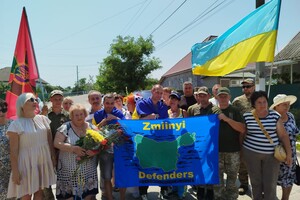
(281, 98)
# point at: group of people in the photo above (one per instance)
(39, 149)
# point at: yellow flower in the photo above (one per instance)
(96, 136)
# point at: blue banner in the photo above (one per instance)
(182, 151)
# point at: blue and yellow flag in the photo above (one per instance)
(250, 40)
(168, 152)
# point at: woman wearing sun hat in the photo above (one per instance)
(287, 174)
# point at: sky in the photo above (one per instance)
(71, 33)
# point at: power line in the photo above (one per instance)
(135, 17)
(169, 16)
(92, 25)
(147, 26)
(202, 16)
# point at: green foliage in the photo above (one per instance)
(3, 88)
(285, 78)
(128, 65)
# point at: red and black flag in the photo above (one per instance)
(24, 71)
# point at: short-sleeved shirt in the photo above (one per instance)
(186, 102)
(243, 104)
(146, 107)
(101, 114)
(228, 137)
(255, 139)
(196, 110)
(57, 120)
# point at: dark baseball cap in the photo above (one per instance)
(202, 90)
(223, 90)
(175, 94)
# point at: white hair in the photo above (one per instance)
(21, 101)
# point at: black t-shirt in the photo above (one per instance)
(228, 137)
(186, 102)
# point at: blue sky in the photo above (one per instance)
(70, 33)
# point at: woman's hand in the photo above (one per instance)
(288, 160)
(92, 153)
(16, 178)
(78, 151)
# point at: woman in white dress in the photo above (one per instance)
(31, 151)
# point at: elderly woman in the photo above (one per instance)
(5, 167)
(258, 151)
(31, 151)
(84, 183)
(287, 174)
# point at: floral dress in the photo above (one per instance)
(5, 167)
(287, 175)
(73, 179)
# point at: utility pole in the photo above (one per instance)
(260, 81)
(77, 78)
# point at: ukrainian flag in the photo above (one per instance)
(251, 40)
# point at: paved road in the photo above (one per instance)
(191, 195)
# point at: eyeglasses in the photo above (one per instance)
(247, 86)
(33, 100)
(3, 109)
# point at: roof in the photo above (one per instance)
(4, 75)
(185, 64)
(291, 51)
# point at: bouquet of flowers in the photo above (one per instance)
(91, 141)
(113, 134)
(96, 140)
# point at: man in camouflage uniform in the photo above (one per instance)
(58, 116)
(231, 127)
(202, 107)
(243, 103)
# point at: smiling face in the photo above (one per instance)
(78, 117)
(56, 101)
(109, 104)
(67, 104)
(29, 107)
(95, 100)
(283, 108)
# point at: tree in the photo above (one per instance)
(128, 65)
(80, 86)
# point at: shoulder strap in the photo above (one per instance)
(261, 126)
(68, 127)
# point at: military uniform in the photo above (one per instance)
(244, 105)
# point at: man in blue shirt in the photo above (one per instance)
(109, 114)
(153, 108)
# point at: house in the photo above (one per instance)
(287, 62)
(4, 76)
(182, 71)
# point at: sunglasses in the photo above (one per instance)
(247, 86)
(3, 110)
(33, 100)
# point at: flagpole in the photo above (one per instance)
(40, 82)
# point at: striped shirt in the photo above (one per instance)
(255, 139)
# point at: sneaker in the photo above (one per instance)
(243, 190)
(163, 195)
(144, 197)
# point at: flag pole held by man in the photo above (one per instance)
(252, 39)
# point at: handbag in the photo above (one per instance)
(297, 180)
(279, 151)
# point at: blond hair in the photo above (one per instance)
(78, 107)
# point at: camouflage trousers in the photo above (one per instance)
(229, 163)
(48, 194)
